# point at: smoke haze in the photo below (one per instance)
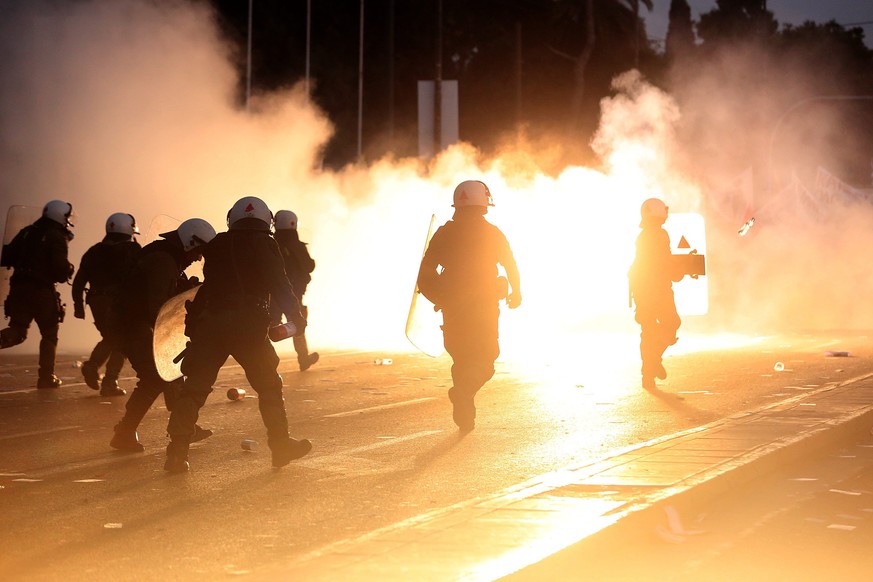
(128, 106)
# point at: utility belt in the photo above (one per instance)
(32, 276)
(238, 303)
(236, 312)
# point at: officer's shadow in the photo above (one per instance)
(675, 401)
(448, 442)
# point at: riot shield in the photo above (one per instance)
(159, 224)
(169, 339)
(17, 217)
(423, 323)
(687, 233)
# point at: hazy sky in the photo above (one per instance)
(785, 11)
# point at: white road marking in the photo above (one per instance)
(387, 443)
(64, 385)
(345, 464)
(38, 432)
(378, 408)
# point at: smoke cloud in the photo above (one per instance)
(764, 133)
(128, 105)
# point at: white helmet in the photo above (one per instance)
(654, 208)
(250, 207)
(59, 211)
(195, 232)
(121, 223)
(286, 220)
(472, 193)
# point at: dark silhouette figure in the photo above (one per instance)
(651, 279)
(467, 290)
(230, 316)
(298, 267)
(158, 275)
(102, 270)
(38, 257)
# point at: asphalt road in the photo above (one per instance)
(385, 449)
(808, 521)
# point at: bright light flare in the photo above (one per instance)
(572, 236)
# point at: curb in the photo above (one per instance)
(647, 516)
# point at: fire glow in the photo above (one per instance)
(127, 106)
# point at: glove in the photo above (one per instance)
(79, 311)
(513, 300)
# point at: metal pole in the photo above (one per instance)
(518, 73)
(249, 60)
(438, 83)
(361, 84)
(637, 34)
(308, 37)
(391, 75)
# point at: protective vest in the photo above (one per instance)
(157, 276)
(652, 269)
(469, 249)
(298, 264)
(38, 254)
(105, 266)
(243, 270)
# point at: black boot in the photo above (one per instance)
(287, 450)
(126, 439)
(48, 382)
(307, 361)
(177, 457)
(110, 387)
(48, 347)
(463, 410)
(91, 375)
(200, 433)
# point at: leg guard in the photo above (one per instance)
(12, 336)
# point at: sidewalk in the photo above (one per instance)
(519, 529)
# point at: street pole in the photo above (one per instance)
(519, 64)
(391, 25)
(438, 83)
(637, 34)
(249, 60)
(361, 84)
(308, 41)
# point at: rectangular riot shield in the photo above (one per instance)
(17, 217)
(423, 323)
(687, 233)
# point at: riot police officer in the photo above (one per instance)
(38, 255)
(468, 291)
(298, 267)
(230, 316)
(102, 270)
(651, 279)
(158, 275)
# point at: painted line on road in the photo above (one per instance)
(38, 432)
(380, 407)
(385, 443)
(348, 464)
(64, 385)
